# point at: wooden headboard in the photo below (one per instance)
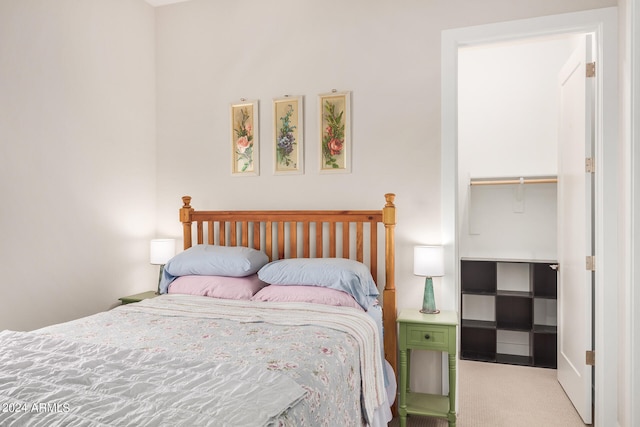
(308, 234)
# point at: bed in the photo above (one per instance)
(267, 318)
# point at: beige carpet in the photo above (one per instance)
(496, 395)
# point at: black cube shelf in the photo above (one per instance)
(514, 311)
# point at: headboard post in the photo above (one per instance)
(389, 294)
(185, 219)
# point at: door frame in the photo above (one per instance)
(603, 24)
(631, 152)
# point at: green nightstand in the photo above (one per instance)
(138, 297)
(435, 332)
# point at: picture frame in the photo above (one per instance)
(335, 132)
(288, 135)
(245, 144)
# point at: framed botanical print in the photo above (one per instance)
(288, 135)
(335, 132)
(245, 157)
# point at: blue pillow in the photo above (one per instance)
(213, 260)
(341, 274)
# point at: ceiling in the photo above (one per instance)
(163, 2)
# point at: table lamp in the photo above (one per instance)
(161, 251)
(428, 261)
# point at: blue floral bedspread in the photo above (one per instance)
(314, 345)
(53, 382)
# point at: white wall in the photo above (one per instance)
(508, 103)
(77, 146)
(212, 54)
(508, 106)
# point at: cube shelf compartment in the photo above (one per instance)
(522, 300)
(478, 341)
(514, 312)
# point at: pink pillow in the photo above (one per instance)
(313, 294)
(217, 286)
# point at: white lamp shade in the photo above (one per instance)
(161, 251)
(428, 261)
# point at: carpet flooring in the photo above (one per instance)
(496, 395)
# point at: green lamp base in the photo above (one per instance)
(429, 301)
(160, 278)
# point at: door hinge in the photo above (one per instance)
(590, 358)
(589, 165)
(591, 69)
(591, 263)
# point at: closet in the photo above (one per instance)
(507, 166)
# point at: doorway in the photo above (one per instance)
(602, 23)
(509, 102)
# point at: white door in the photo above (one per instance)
(575, 237)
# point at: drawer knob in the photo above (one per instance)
(427, 336)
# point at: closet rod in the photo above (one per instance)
(505, 181)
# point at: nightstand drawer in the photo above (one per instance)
(427, 337)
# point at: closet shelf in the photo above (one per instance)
(514, 180)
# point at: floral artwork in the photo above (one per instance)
(288, 135)
(286, 140)
(244, 141)
(334, 138)
(244, 138)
